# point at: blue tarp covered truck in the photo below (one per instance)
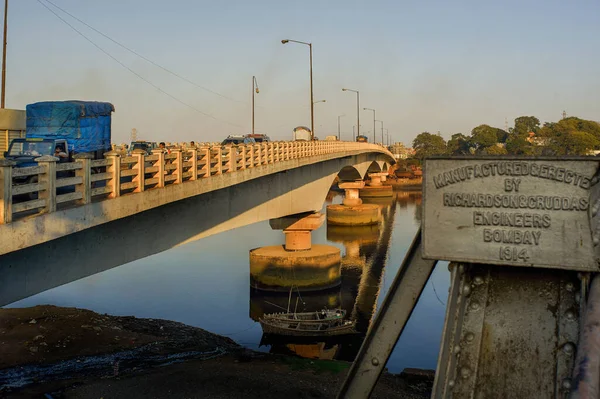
(71, 126)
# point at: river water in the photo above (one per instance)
(207, 284)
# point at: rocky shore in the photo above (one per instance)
(55, 352)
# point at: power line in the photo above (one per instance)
(143, 57)
(132, 71)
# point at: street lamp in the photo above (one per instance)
(339, 116)
(371, 109)
(357, 111)
(387, 136)
(382, 140)
(312, 103)
(254, 90)
(3, 93)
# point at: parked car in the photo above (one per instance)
(259, 138)
(234, 140)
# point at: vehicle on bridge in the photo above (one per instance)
(147, 146)
(234, 140)
(362, 139)
(71, 126)
(302, 133)
(259, 138)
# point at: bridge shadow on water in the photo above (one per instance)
(38, 268)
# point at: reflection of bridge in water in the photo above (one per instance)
(362, 268)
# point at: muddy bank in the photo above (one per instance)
(76, 353)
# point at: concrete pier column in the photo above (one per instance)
(298, 231)
(352, 211)
(376, 188)
(351, 188)
(298, 263)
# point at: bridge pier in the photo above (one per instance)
(376, 188)
(298, 263)
(352, 211)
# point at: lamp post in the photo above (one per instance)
(339, 116)
(387, 136)
(371, 109)
(382, 140)
(357, 111)
(312, 103)
(254, 90)
(4, 56)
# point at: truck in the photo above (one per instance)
(302, 133)
(72, 127)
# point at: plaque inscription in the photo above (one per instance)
(509, 211)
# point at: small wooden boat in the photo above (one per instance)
(309, 324)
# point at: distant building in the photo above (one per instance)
(399, 151)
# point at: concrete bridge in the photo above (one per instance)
(125, 208)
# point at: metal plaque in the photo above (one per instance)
(510, 211)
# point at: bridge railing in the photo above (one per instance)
(52, 184)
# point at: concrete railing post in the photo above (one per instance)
(252, 155)
(6, 190)
(48, 178)
(178, 165)
(229, 162)
(219, 159)
(271, 149)
(194, 161)
(115, 170)
(208, 160)
(85, 188)
(243, 149)
(140, 179)
(160, 164)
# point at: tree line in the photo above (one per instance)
(569, 136)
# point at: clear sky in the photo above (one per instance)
(423, 65)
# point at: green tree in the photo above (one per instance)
(586, 126)
(426, 144)
(567, 137)
(495, 150)
(459, 144)
(526, 124)
(518, 145)
(501, 135)
(483, 136)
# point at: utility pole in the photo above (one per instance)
(2, 100)
(339, 136)
(564, 114)
(254, 90)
